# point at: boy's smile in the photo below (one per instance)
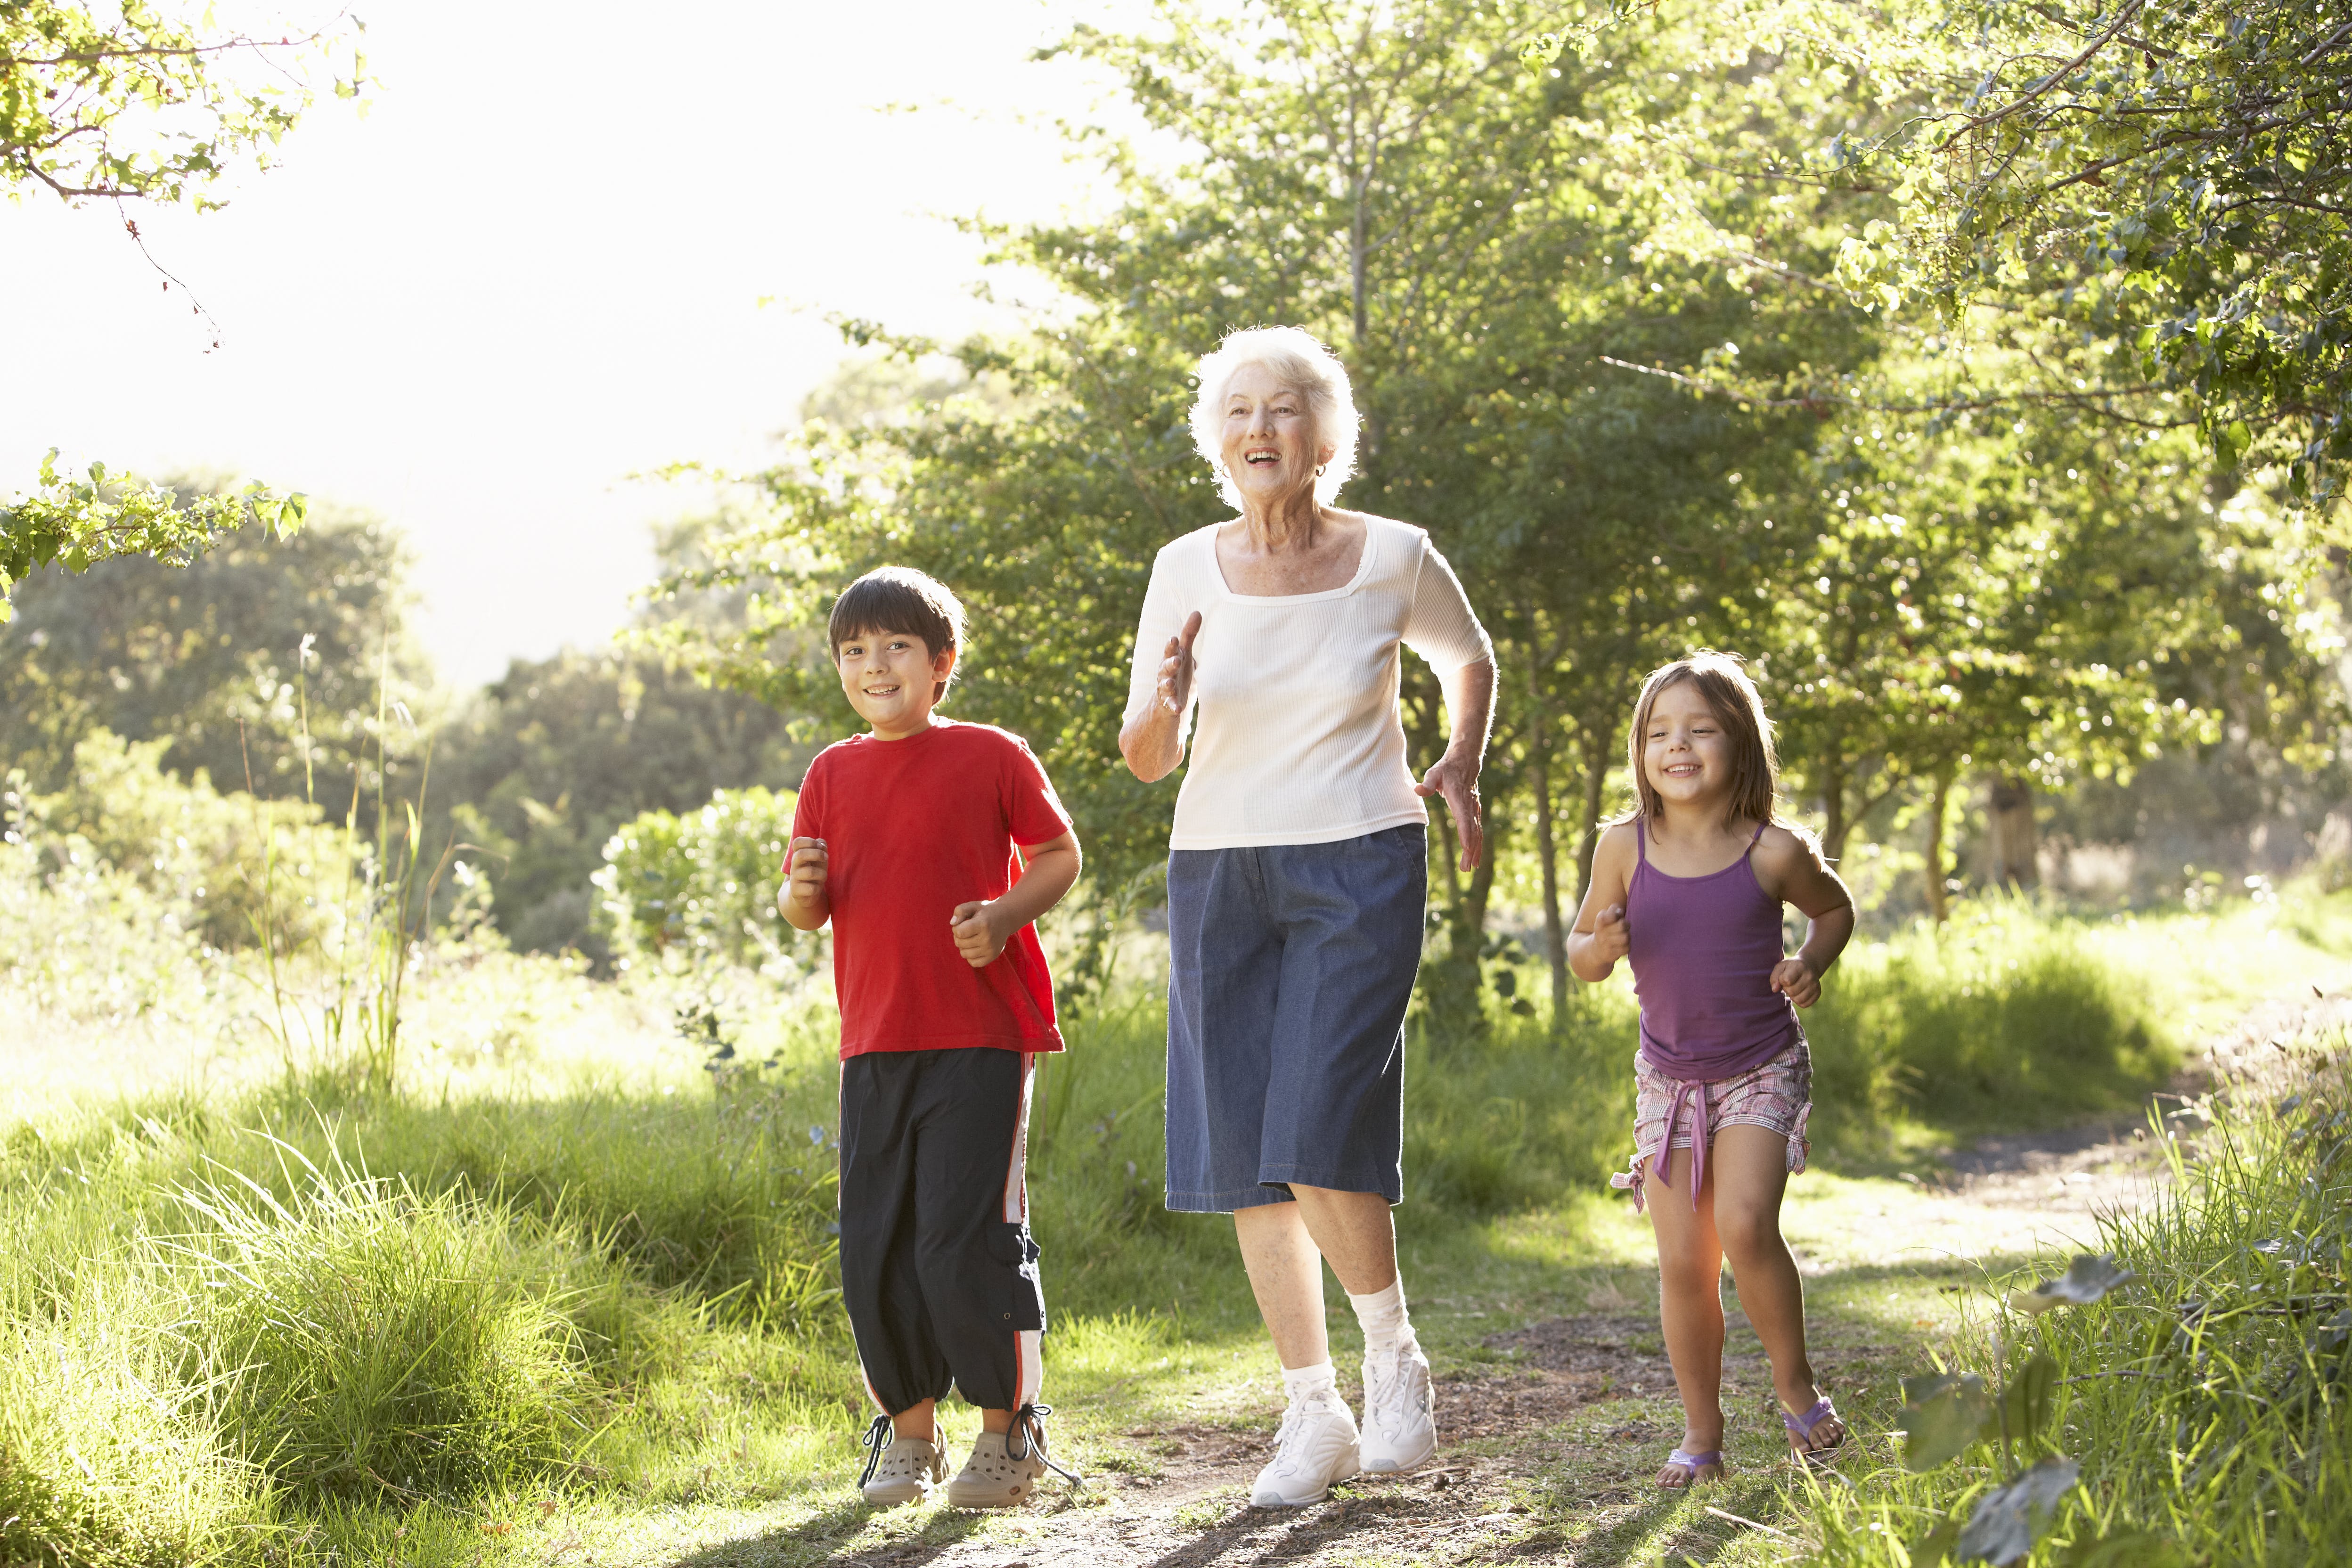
(891, 679)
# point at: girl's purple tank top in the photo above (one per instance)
(1703, 949)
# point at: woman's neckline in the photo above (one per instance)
(1363, 570)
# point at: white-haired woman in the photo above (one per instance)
(1297, 874)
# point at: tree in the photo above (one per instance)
(2165, 180)
(234, 657)
(123, 103)
(544, 764)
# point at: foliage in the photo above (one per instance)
(542, 766)
(368, 1341)
(2205, 1399)
(237, 869)
(261, 662)
(124, 101)
(701, 885)
(74, 524)
(2164, 179)
(1511, 257)
(1998, 1019)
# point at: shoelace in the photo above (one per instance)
(877, 1442)
(1029, 1428)
(1289, 1442)
(1388, 1403)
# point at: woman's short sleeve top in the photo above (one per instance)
(1295, 736)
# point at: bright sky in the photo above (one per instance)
(536, 266)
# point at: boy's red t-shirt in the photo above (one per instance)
(912, 828)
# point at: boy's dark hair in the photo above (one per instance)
(899, 599)
(1723, 683)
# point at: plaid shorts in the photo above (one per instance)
(1778, 1094)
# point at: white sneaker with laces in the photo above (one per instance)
(1399, 1409)
(1316, 1447)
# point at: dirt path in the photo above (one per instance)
(1549, 1438)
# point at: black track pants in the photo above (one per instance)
(937, 1268)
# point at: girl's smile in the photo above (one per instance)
(1686, 753)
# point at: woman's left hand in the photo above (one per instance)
(1456, 778)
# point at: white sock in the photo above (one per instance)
(1302, 1384)
(1382, 1318)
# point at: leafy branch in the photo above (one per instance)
(76, 524)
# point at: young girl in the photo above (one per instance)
(1690, 887)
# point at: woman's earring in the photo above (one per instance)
(1319, 470)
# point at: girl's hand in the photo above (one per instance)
(977, 936)
(1795, 978)
(1613, 939)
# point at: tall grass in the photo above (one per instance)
(2009, 1017)
(2209, 1400)
(542, 1253)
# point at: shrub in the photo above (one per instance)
(2003, 1019)
(229, 863)
(702, 885)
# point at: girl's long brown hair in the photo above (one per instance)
(1723, 684)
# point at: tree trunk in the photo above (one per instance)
(1938, 907)
(2015, 851)
(1547, 859)
(1598, 746)
(1834, 826)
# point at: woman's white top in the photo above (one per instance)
(1298, 739)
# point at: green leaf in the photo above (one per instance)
(2130, 1549)
(2088, 1278)
(2008, 1519)
(1938, 1544)
(1941, 1416)
(2026, 1401)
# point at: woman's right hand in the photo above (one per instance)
(1176, 667)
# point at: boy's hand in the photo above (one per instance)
(1613, 939)
(977, 935)
(804, 869)
(1795, 978)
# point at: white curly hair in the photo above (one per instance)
(1298, 359)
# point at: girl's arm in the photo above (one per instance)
(1601, 937)
(1791, 869)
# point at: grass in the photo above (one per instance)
(560, 1281)
(2208, 1401)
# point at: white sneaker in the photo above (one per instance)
(1399, 1409)
(1316, 1447)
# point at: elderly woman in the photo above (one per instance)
(1297, 876)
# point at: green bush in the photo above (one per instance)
(228, 866)
(2004, 1019)
(701, 885)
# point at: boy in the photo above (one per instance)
(903, 839)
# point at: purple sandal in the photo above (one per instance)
(1801, 1432)
(1693, 1463)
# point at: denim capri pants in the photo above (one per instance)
(1290, 966)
